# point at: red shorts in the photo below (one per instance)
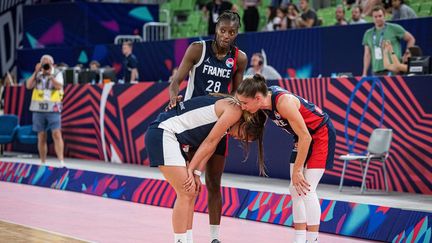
(321, 150)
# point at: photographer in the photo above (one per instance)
(46, 105)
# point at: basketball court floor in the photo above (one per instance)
(36, 214)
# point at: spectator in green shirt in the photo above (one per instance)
(374, 38)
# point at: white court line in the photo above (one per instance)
(47, 231)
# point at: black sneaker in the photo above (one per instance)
(216, 241)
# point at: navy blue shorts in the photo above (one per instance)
(163, 149)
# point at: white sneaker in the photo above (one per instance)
(62, 164)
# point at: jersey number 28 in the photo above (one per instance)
(213, 86)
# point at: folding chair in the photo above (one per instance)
(378, 149)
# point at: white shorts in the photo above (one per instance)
(163, 149)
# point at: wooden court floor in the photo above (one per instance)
(15, 233)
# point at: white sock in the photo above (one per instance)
(300, 236)
(180, 238)
(189, 236)
(62, 163)
(214, 232)
(312, 236)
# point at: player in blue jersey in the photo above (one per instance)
(212, 67)
(314, 137)
(200, 122)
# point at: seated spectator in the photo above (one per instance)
(308, 17)
(368, 5)
(391, 61)
(340, 16)
(282, 15)
(258, 66)
(402, 11)
(272, 19)
(356, 15)
(387, 4)
(293, 16)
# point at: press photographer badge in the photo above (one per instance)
(378, 53)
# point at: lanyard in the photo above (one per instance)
(381, 37)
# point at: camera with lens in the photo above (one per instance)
(46, 66)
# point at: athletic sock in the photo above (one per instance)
(214, 232)
(312, 236)
(180, 238)
(300, 236)
(189, 236)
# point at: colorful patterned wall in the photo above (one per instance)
(109, 122)
(349, 219)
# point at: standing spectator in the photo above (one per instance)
(308, 17)
(94, 65)
(356, 15)
(373, 41)
(258, 66)
(46, 105)
(340, 16)
(130, 63)
(213, 10)
(250, 15)
(402, 11)
(7, 80)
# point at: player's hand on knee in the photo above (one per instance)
(300, 183)
(189, 184)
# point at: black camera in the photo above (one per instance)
(46, 66)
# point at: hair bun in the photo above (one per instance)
(258, 77)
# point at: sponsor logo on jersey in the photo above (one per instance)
(229, 62)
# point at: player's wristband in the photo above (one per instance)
(197, 172)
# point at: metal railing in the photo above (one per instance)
(122, 38)
(155, 31)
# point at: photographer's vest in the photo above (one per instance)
(45, 97)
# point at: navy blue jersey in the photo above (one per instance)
(313, 116)
(211, 75)
(190, 121)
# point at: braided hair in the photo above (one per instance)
(229, 15)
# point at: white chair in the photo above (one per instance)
(378, 149)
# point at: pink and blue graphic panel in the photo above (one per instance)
(83, 23)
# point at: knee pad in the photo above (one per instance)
(298, 207)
